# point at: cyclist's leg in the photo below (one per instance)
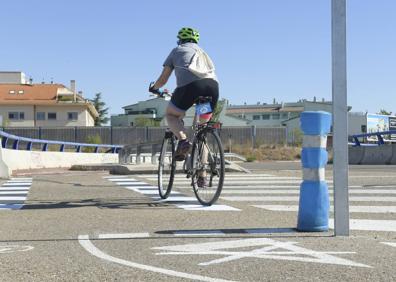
(174, 118)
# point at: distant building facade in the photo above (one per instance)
(24, 104)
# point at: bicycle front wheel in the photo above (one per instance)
(166, 167)
(208, 167)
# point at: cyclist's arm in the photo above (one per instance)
(163, 78)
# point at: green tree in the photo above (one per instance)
(384, 112)
(100, 107)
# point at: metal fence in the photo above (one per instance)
(134, 135)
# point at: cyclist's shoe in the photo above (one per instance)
(202, 182)
(182, 150)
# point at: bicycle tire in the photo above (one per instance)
(166, 167)
(216, 166)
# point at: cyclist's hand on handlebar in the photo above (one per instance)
(158, 91)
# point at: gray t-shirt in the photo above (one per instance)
(179, 59)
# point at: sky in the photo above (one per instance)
(262, 49)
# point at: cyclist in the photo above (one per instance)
(190, 85)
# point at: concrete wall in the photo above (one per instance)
(384, 154)
(11, 160)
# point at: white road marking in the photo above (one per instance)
(206, 208)
(369, 225)
(353, 209)
(176, 199)
(267, 249)
(121, 179)
(13, 192)
(7, 249)
(89, 247)
(297, 191)
(14, 188)
(124, 235)
(12, 200)
(126, 183)
(27, 184)
(389, 244)
(296, 199)
(270, 230)
(22, 178)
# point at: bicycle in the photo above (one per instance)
(206, 159)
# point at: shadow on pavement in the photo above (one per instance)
(101, 203)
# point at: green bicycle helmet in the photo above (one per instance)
(188, 33)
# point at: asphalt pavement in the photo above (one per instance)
(93, 226)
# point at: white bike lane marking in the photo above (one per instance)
(89, 247)
(389, 244)
(13, 193)
(228, 249)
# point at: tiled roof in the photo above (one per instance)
(38, 94)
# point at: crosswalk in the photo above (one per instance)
(281, 194)
(13, 193)
(177, 199)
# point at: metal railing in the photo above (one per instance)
(380, 139)
(6, 137)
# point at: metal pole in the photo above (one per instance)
(340, 118)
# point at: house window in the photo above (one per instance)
(275, 116)
(40, 116)
(13, 115)
(21, 115)
(364, 128)
(256, 117)
(72, 116)
(20, 91)
(51, 116)
(285, 115)
(12, 92)
(265, 117)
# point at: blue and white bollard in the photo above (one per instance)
(313, 212)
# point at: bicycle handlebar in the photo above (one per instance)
(158, 92)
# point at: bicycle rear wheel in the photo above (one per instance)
(208, 167)
(166, 166)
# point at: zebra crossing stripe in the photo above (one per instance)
(180, 200)
(389, 244)
(352, 209)
(296, 199)
(124, 235)
(369, 225)
(13, 193)
(297, 191)
(198, 233)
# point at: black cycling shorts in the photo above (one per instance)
(183, 97)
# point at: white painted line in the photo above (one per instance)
(124, 235)
(352, 209)
(115, 176)
(248, 182)
(198, 233)
(176, 199)
(12, 200)
(14, 188)
(154, 192)
(13, 192)
(227, 175)
(22, 178)
(89, 247)
(121, 179)
(142, 187)
(10, 206)
(296, 199)
(369, 225)
(297, 191)
(18, 181)
(389, 244)
(27, 184)
(207, 208)
(131, 183)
